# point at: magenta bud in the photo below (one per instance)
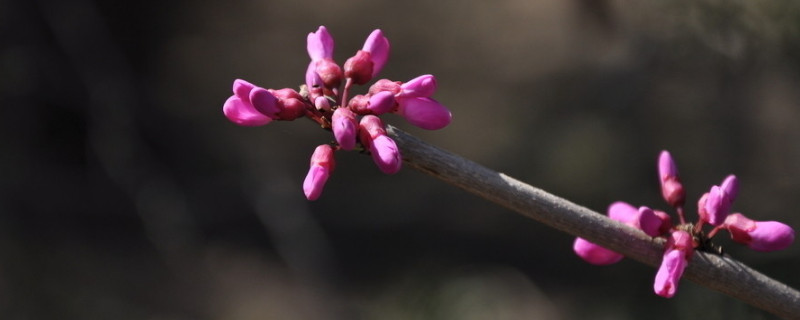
(242, 88)
(370, 127)
(384, 151)
(322, 164)
(666, 221)
(243, 113)
(344, 128)
(381, 102)
(420, 87)
(292, 104)
(378, 47)
(313, 80)
(359, 67)
(385, 154)
(676, 256)
(320, 44)
(330, 72)
(669, 273)
(671, 187)
(666, 166)
(425, 113)
(759, 235)
(595, 254)
(644, 218)
(731, 187)
(717, 206)
(359, 104)
(322, 103)
(265, 102)
(649, 222)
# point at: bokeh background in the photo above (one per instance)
(126, 194)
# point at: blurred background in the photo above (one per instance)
(126, 194)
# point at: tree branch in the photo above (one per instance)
(719, 273)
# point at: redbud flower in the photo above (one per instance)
(716, 207)
(671, 187)
(322, 164)
(291, 103)
(383, 149)
(334, 108)
(759, 235)
(425, 113)
(422, 86)
(676, 257)
(731, 187)
(595, 254)
(344, 126)
(320, 49)
(643, 218)
(368, 61)
(381, 102)
(239, 108)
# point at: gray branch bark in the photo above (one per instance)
(719, 273)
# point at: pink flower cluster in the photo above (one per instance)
(353, 121)
(713, 209)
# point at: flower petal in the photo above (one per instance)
(595, 254)
(320, 44)
(243, 113)
(425, 113)
(378, 47)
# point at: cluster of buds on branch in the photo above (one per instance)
(713, 209)
(353, 120)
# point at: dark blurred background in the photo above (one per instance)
(126, 194)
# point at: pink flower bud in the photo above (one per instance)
(701, 207)
(669, 273)
(644, 218)
(381, 102)
(671, 187)
(370, 128)
(243, 113)
(292, 104)
(384, 151)
(759, 235)
(622, 212)
(240, 110)
(649, 222)
(385, 154)
(666, 221)
(329, 72)
(320, 44)
(359, 104)
(265, 102)
(425, 113)
(378, 47)
(344, 128)
(242, 88)
(322, 67)
(322, 164)
(420, 87)
(678, 251)
(731, 187)
(313, 80)
(717, 206)
(359, 67)
(595, 254)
